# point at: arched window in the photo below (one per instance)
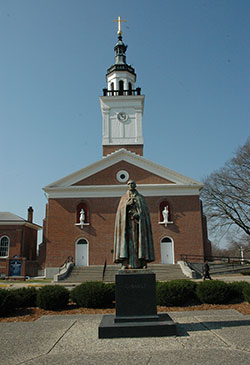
(4, 246)
(165, 206)
(82, 211)
(121, 87)
(112, 88)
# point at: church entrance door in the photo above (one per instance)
(167, 251)
(82, 252)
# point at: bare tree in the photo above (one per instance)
(226, 194)
(236, 245)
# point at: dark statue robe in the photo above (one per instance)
(133, 242)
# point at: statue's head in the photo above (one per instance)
(131, 184)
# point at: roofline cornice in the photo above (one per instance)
(101, 191)
(18, 223)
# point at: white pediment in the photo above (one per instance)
(66, 184)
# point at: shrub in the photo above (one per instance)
(176, 293)
(246, 293)
(25, 297)
(7, 301)
(109, 294)
(52, 297)
(245, 272)
(93, 294)
(235, 291)
(213, 292)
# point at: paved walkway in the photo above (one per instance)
(203, 337)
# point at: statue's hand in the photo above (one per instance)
(130, 201)
(135, 217)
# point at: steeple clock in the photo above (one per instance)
(122, 105)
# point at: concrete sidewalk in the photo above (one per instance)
(203, 337)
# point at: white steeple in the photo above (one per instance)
(122, 105)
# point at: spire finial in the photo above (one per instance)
(119, 20)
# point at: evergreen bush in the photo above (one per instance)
(93, 294)
(246, 293)
(245, 272)
(52, 297)
(213, 292)
(176, 293)
(7, 301)
(235, 294)
(25, 297)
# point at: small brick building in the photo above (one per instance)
(81, 208)
(18, 245)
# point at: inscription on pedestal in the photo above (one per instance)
(135, 296)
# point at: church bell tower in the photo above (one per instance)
(122, 105)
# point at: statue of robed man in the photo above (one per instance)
(133, 242)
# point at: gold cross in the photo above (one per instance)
(119, 24)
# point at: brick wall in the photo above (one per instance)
(15, 234)
(133, 148)
(23, 241)
(62, 233)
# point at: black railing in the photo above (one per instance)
(222, 259)
(136, 91)
(104, 269)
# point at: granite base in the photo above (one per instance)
(163, 326)
(136, 310)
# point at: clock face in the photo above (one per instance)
(122, 117)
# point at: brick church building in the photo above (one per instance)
(81, 208)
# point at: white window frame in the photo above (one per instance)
(8, 245)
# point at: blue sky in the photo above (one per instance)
(192, 62)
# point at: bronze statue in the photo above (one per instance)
(133, 242)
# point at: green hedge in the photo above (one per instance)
(25, 297)
(52, 297)
(236, 291)
(213, 292)
(245, 272)
(99, 295)
(93, 294)
(176, 293)
(246, 293)
(7, 301)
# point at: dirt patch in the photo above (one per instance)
(32, 314)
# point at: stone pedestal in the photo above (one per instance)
(136, 311)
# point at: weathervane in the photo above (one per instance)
(119, 20)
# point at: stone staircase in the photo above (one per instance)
(80, 274)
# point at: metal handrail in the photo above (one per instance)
(202, 258)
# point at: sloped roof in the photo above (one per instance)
(7, 218)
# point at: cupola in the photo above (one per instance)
(122, 104)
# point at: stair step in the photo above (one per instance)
(94, 273)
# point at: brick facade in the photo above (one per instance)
(22, 244)
(62, 234)
(187, 231)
